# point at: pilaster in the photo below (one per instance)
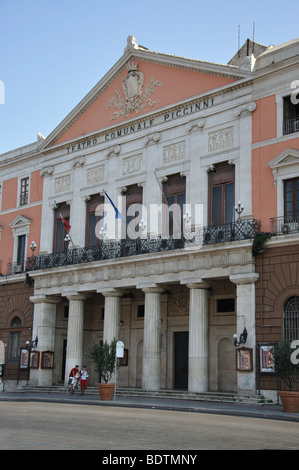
(44, 324)
(246, 318)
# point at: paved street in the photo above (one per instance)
(46, 426)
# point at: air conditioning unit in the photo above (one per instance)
(17, 269)
(296, 126)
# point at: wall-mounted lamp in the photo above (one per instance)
(33, 247)
(102, 233)
(242, 339)
(187, 218)
(239, 209)
(142, 226)
(33, 344)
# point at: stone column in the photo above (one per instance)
(246, 318)
(151, 342)
(74, 352)
(198, 379)
(111, 315)
(44, 324)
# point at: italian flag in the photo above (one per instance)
(65, 222)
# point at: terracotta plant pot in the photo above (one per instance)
(106, 391)
(290, 401)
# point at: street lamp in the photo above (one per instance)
(242, 339)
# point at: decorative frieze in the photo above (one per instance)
(95, 175)
(174, 152)
(62, 184)
(221, 139)
(131, 165)
(179, 305)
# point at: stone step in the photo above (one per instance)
(158, 394)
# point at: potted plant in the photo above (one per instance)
(104, 358)
(289, 374)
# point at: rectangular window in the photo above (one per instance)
(174, 190)
(94, 216)
(221, 194)
(291, 200)
(21, 250)
(290, 116)
(59, 242)
(134, 195)
(24, 191)
(14, 346)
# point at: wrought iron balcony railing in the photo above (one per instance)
(290, 126)
(284, 225)
(240, 230)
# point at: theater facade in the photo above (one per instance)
(167, 144)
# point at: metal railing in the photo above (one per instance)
(240, 230)
(290, 126)
(284, 225)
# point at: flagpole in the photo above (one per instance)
(62, 218)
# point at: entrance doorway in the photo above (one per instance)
(181, 341)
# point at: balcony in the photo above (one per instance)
(284, 225)
(290, 126)
(240, 230)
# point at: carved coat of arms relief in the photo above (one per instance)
(135, 98)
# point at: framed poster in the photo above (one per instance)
(47, 361)
(244, 359)
(266, 358)
(123, 361)
(24, 358)
(34, 359)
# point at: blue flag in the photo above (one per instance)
(117, 213)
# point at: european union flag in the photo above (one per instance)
(117, 213)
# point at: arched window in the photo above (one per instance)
(16, 321)
(291, 318)
(14, 340)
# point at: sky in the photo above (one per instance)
(52, 52)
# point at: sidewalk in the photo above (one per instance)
(254, 411)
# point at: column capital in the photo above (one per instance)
(151, 288)
(39, 299)
(246, 278)
(195, 283)
(110, 292)
(75, 296)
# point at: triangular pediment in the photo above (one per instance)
(141, 82)
(20, 221)
(287, 157)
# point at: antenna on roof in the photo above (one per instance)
(238, 41)
(253, 33)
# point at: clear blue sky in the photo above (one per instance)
(52, 52)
